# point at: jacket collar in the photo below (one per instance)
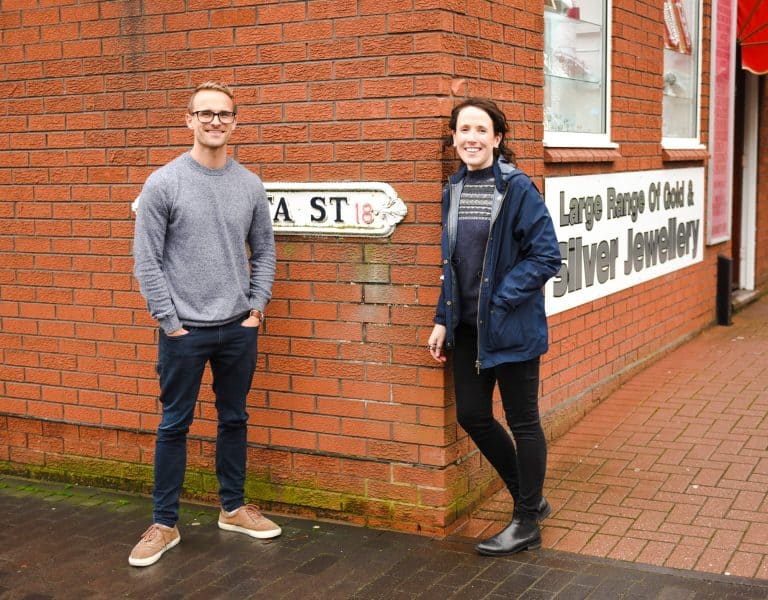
(503, 171)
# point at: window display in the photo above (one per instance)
(574, 67)
(681, 69)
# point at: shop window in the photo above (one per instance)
(576, 86)
(680, 116)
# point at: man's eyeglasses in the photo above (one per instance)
(206, 116)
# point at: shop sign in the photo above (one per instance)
(334, 208)
(621, 229)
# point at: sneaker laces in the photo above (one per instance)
(252, 511)
(152, 532)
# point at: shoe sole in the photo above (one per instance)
(151, 560)
(532, 546)
(262, 535)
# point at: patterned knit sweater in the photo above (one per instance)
(472, 238)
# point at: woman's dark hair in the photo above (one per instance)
(497, 118)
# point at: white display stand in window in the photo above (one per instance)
(574, 72)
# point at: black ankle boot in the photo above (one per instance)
(520, 534)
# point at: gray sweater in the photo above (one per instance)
(194, 229)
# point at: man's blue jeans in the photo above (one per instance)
(231, 350)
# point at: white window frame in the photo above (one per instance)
(562, 139)
(690, 143)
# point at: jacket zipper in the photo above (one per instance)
(482, 278)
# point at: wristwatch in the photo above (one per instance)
(257, 313)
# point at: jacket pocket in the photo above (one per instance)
(507, 328)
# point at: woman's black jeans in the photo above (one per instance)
(521, 464)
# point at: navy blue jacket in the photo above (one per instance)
(521, 255)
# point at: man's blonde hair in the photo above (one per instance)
(212, 85)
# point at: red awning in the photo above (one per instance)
(752, 28)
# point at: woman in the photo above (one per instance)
(498, 249)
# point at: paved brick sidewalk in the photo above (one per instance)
(672, 469)
(68, 542)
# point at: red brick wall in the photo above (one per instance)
(596, 346)
(348, 414)
(349, 417)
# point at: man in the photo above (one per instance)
(204, 255)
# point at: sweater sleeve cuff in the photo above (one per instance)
(170, 324)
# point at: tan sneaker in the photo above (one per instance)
(153, 543)
(249, 520)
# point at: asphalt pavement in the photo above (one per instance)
(659, 492)
(63, 541)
